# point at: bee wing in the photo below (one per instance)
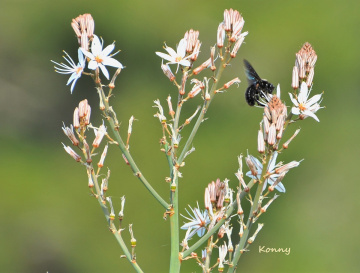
(251, 74)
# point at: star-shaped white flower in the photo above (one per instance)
(74, 69)
(272, 176)
(303, 106)
(100, 58)
(178, 56)
(197, 223)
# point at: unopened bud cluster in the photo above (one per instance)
(84, 26)
(275, 113)
(304, 66)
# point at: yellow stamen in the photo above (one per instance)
(302, 107)
(98, 59)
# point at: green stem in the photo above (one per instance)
(112, 226)
(253, 211)
(174, 230)
(204, 109)
(134, 167)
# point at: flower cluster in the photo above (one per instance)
(265, 170)
(97, 57)
(213, 224)
(274, 117)
(303, 74)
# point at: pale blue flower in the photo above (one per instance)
(74, 69)
(272, 176)
(198, 221)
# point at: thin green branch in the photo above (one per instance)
(114, 127)
(204, 109)
(112, 227)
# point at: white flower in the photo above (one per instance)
(272, 176)
(100, 58)
(197, 222)
(303, 106)
(74, 69)
(178, 56)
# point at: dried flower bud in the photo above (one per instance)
(102, 158)
(310, 77)
(238, 201)
(272, 134)
(212, 191)
(183, 83)
(69, 132)
(83, 26)
(90, 182)
(212, 57)
(84, 112)
(167, 71)
(99, 134)
(237, 28)
(230, 83)
(287, 166)
(72, 153)
(188, 120)
(112, 212)
(264, 208)
(121, 213)
(277, 181)
(76, 121)
(286, 144)
(251, 165)
(221, 35)
(204, 65)
(261, 142)
(227, 20)
(266, 123)
(195, 90)
(196, 51)
(104, 186)
(295, 78)
(87, 152)
(207, 199)
(252, 238)
(237, 45)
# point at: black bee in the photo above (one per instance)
(258, 88)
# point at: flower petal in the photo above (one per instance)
(313, 100)
(96, 46)
(181, 49)
(87, 54)
(311, 114)
(108, 50)
(165, 56)
(303, 94)
(280, 187)
(294, 101)
(112, 62)
(104, 71)
(93, 65)
(295, 111)
(171, 52)
(184, 62)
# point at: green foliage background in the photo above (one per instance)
(48, 220)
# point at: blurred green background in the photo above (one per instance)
(48, 220)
